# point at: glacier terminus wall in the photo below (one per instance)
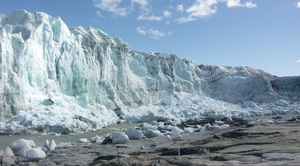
(60, 79)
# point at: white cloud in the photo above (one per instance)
(149, 17)
(298, 4)
(200, 9)
(112, 6)
(237, 3)
(180, 8)
(298, 61)
(205, 8)
(250, 5)
(233, 3)
(153, 33)
(141, 30)
(167, 13)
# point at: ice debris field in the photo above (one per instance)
(164, 130)
(64, 80)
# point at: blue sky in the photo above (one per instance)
(263, 34)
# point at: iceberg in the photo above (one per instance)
(63, 80)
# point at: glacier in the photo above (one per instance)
(63, 80)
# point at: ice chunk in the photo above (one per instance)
(64, 145)
(188, 129)
(97, 139)
(35, 154)
(8, 152)
(152, 133)
(119, 138)
(218, 122)
(83, 140)
(50, 146)
(31, 143)
(19, 144)
(147, 126)
(224, 126)
(176, 130)
(134, 134)
(23, 151)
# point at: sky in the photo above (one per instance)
(263, 34)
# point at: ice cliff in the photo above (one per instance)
(61, 79)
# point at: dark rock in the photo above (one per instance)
(234, 134)
(236, 121)
(218, 158)
(121, 146)
(152, 145)
(216, 136)
(182, 151)
(292, 119)
(277, 117)
(108, 157)
(199, 121)
(107, 140)
(250, 125)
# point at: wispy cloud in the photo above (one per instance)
(99, 13)
(298, 61)
(146, 14)
(200, 9)
(143, 3)
(298, 4)
(153, 33)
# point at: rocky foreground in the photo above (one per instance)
(273, 141)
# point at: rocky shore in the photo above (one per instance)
(258, 141)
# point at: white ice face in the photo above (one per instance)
(64, 80)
